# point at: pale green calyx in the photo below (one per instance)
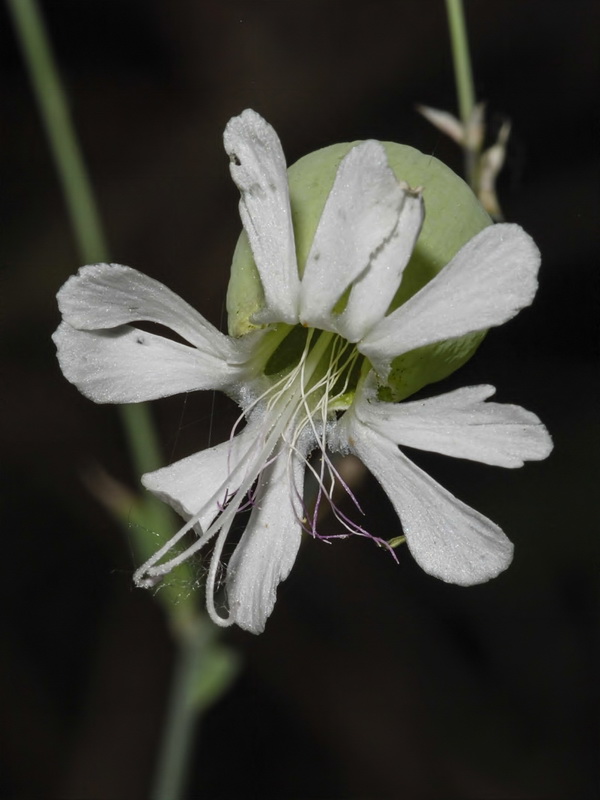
(453, 216)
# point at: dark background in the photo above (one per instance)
(372, 680)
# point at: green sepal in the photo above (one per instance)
(245, 296)
(453, 215)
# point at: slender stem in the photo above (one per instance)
(182, 721)
(204, 670)
(463, 75)
(462, 61)
(77, 190)
(54, 110)
(145, 450)
(187, 623)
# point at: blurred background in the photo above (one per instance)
(372, 680)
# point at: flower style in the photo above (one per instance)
(310, 376)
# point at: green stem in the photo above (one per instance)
(462, 61)
(144, 448)
(463, 74)
(186, 623)
(181, 724)
(203, 671)
(54, 110)
(76, 185)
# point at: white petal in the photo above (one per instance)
(447, 538)
(488, 281)
(461, 424)
(203, 482)
(127, 365)
(269, 545)
(259, 170)
(109, 295)
(374, 290)
(358, 222)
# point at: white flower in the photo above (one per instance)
(309, 378)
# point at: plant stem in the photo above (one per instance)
(461, 58)
(77, 190)
(54, 110)
(182, 719)
(195, 638)
(463, 75)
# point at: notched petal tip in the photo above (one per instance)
(247, 125)
(255, 153)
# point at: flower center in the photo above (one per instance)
(322, 380)
(319, 373)
(308, 376)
